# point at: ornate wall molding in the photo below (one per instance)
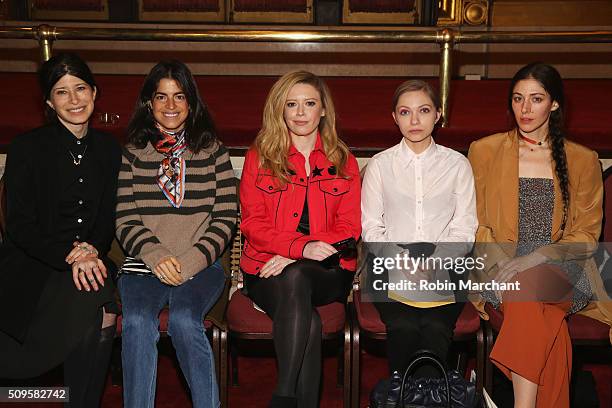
(459, 12)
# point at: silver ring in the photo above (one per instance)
(91, 280)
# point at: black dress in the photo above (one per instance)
(52, 202)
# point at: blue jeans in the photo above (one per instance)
(143, 297)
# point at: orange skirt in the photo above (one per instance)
(534, 342)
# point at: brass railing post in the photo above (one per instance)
(45, 35)
(446, 40)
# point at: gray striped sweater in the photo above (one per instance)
(150, 228)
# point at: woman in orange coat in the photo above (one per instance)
(542, 223)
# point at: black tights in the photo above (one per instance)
(290, 300)
(86, 366)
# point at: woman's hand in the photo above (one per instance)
(318, 250)
(81, 250)
(275, 266)
(508, 269)
(168, 271)
(88, 272)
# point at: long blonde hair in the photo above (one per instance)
(273, 140)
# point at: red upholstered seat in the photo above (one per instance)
(368, 324)
(584, 328)
(242, 317)
(369, 318)
(245, 323)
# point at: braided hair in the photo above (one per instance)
(551, 81)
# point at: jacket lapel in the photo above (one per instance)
(557, 218)
(508, 186)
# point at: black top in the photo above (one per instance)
(77, 192)
(41, 226)
(304, 225)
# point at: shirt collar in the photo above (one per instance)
(69, 140)
(408, 155)
(318, 146)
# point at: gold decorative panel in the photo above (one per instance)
(459, 12)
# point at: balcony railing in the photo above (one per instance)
(446, 38)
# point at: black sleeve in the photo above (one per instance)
(23, 215)
(104, 228)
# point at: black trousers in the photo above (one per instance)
(410, 329)
(290, 300)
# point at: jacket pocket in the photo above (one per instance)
(269, 184)
(335, 187)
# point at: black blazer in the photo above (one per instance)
(31, 251)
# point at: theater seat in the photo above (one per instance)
(243, 318)
(367, 323)
(214, 323)
(247, 323)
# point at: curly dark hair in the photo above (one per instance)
(551, 81)
(200, 132)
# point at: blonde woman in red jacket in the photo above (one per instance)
(299, 194)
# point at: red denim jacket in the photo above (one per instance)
(271, 212)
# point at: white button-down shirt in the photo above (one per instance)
(426, 197)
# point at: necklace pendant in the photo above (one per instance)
(76, 160)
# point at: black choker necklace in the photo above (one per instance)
(530, 141)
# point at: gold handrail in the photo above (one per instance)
(446, 38)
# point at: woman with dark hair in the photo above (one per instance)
(176, 212)
(541, 195)
(56, 295)
(415, 193)
(299, 194)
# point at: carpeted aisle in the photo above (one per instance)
(257, 376)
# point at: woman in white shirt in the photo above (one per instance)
(419, 192)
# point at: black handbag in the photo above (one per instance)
(451, 391)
